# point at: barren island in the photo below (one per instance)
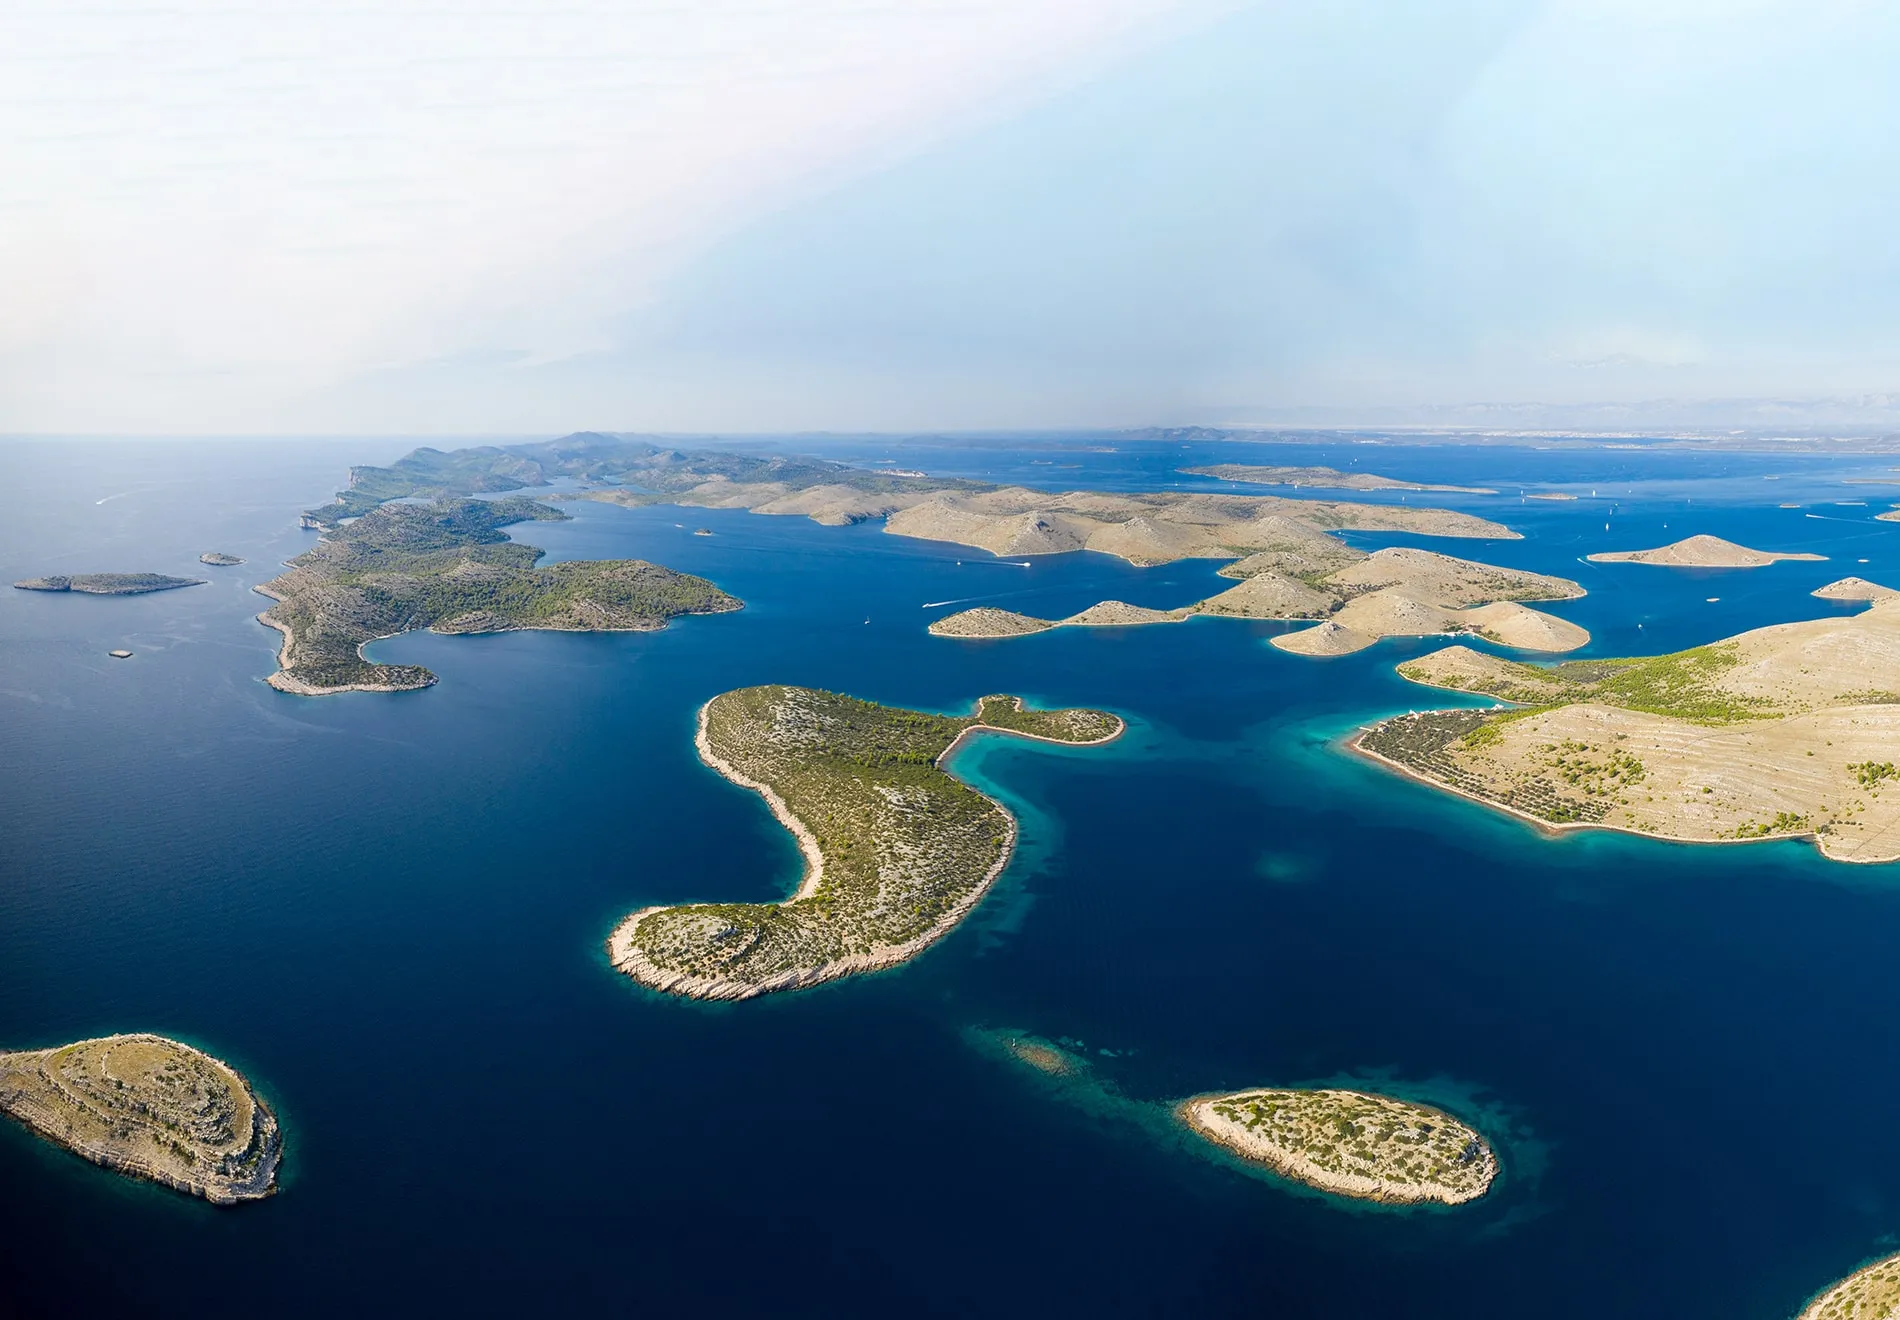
(1350, 1143)
(1784, 731)
(152, 1108)
(897, 850)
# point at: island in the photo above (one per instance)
(1854, 589)
(1701, 552)
(1869, 1293)
(109, 584)
(1786, 731)
(152, 1108)
(1324, 478)
(1350, 1143)
(449, 567)
(218, 559)
(1892, 515)
(1358, 599)
(1150, 528)
(897, 850)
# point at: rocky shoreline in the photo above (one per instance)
(1201, 1116)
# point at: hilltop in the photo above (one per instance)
(1784, 731)
(1700, 552)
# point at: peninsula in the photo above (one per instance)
(1700, 552)
(1351, 1143)
(109, 584)
(449, 567)
(1869, 1293)
(1324, 478)
(151, 1108)
(1782, 732)
(896, 849)
(1358, 599)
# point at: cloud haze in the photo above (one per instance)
(770, 216)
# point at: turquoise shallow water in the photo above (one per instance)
(389, 911)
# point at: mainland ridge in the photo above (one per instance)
(1323, 478)
(152, 1108)
(1351, 1143)
(1786, 731)
(896, 849)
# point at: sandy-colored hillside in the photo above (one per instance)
(1323, 478)
(1782, 731)
(1393, 592)
(1700, 552)
(1854, 588)
(1160, 528)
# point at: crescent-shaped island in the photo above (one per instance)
(152, 1108)
(897, 850)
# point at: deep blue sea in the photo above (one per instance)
(388, 910)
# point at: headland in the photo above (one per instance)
(1869, 1293)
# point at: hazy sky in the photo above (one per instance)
(788, 214)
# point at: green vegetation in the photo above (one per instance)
(1872, 774)
(1870, 1293)
(1424, 743)
(905, 847)
(1351, 1142)
(109, 584)
(150, 1107)
(1785, 822)
(1679, 685)
(592, 457)
(450, 567)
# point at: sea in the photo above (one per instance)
(388, 910)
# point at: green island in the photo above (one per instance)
(151, 1108)
(1351, 1143)
(1869, 1293)
(1784, 731)
(218, 559)
(109, 584)
(448, 566)
(897, 850)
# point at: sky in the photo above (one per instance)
(779, 215)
